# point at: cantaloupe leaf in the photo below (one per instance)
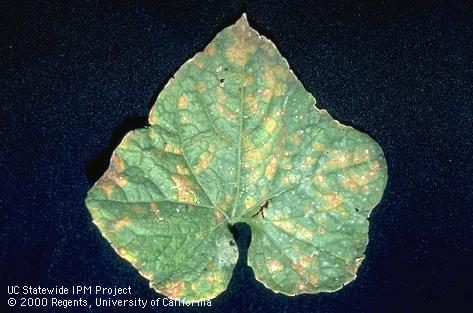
(235, 137)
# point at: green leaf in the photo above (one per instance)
(235, 137)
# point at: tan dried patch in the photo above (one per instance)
(274, 266)
(212, 149)
(174, 289)
(168, 147)
(350, 183)
(153, 119)
(204, 161)
(320, 180)
(211, 49)
(252, 103)
(334, 200)
(239, 51)
(267, 95)
(280, 71)
(199, 63)
(224, 112)
(182, 102)
(285, 225)
(185, 189)
(309, 161)
(305, 234)
(301, 264)
(109, 181)
(121, 181)
(125, 221)
(314, 280)
(271, 168)
(117, 163)
(269, 78)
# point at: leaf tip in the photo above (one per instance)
(242, 21)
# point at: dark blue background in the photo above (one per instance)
(75, 77)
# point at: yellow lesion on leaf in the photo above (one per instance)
(309, 161)
(286, 226)
(242, 47)
(110, 180)
(154, 208)
(266, 95)
(268, 77)
(125, 221)
(185, 189)
(215, 279)
(182, 102)
(121, 181)
(224, 112)
(250, 202)
(153, 118)
(248, 79)
(274, 266)
(295, 138)
(314, 280)
(319, 147)
(127, 255)
(212, 149)
(210, 49)
(305, 234)
(200, 86)
(251, 103)
(219, 216)
(332, 200)
(289, 179)
(169, 147)
(279, 89)
(320, 180)
(252, 155)
(174, 289)
(182, 169)
(269, 124)
(271, 168)
(301, 264)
